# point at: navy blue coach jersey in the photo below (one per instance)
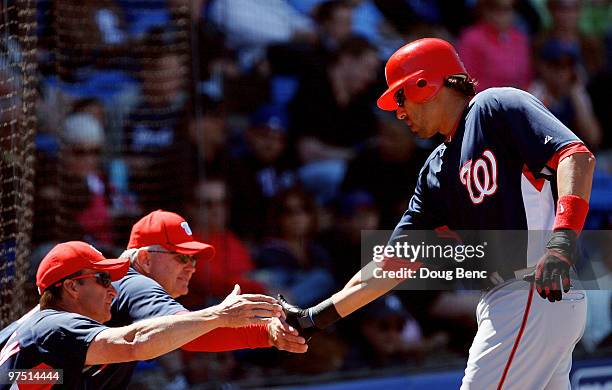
(492, 174)
(51, 339)
(138, 297)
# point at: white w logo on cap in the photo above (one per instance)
(186, 228)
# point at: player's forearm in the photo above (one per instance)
(575, 175)
(362, 289)
(155, 338)
(151, 337)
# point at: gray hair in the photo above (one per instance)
(132, 253)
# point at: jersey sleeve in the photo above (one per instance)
(68, 340)
(527, 127)
(140, 297)
(422, 212)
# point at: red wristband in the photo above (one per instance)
(230, 339)
(571, 213)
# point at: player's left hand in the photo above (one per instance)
(552, 270)
(285, 337)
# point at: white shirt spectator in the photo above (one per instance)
(252, 25)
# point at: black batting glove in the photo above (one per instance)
(552, 270)
(310, 321)
(298, 318)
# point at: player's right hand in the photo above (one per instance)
(238, 310)
(298, 318)
(552, 271)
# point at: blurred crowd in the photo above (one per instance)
(256, 121)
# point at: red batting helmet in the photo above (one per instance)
(420, 66)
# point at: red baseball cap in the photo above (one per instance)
(169, 230)
(70, 257)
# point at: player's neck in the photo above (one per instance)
(454, 105)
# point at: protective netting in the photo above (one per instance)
(17, 129)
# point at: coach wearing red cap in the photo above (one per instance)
(74, 280)
(163, 254)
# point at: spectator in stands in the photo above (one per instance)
(338, 20)
(92, 107)
(250, 26)
(388, 335)
(232, 264)
(331, 116)
(106, 38)
(291, 262)
(494, 50)
(153, 138)
(86, 202)
(371, 23)
(599, 87)
(142, 16)
(356, 211)
(260, 171)
(208, 141)
(565, 27)
(333, 20)
(387, 168)
(330, 113)
(561, 87)
(123, 203)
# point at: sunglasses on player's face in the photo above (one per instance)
(399, 97)
(183, 259)
(102, 278)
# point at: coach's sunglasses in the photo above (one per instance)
(400, 97)
(102, 278)
(184, 259)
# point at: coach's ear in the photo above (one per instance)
(71, 288)
(143, 260)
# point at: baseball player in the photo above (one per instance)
(506, 163)
(74, 280)
(163, 252)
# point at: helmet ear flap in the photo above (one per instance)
(422, 89)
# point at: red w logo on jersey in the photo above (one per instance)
(480, 176)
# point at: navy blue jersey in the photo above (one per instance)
(8, 333)
(138, 297)
(51, 339)
(488, 176)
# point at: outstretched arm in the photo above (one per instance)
(365, 286)
(153, 337)
(362, 289)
